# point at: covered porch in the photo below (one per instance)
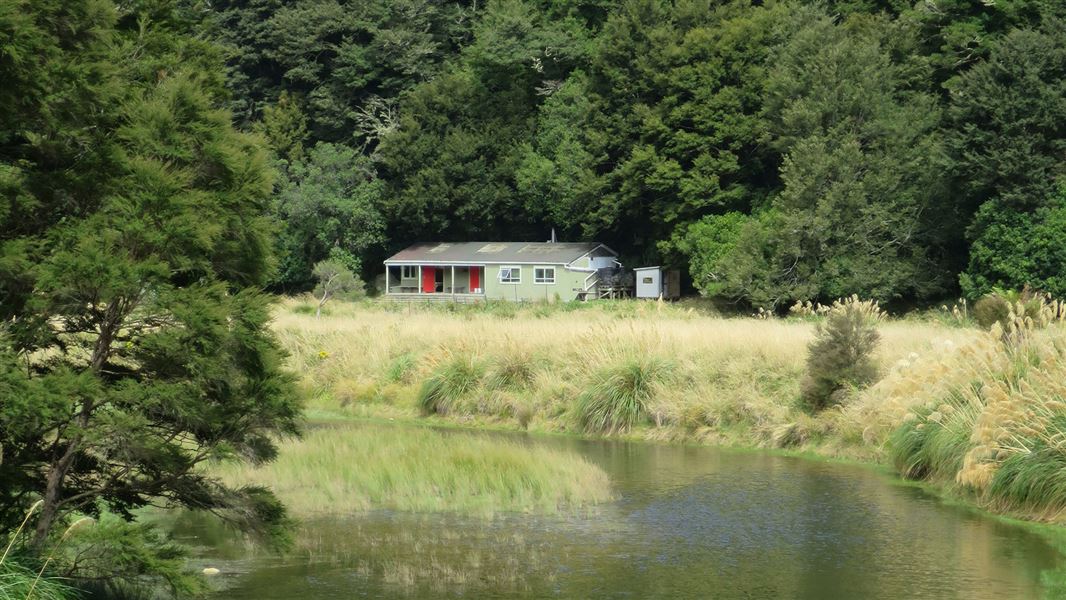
(413, 280)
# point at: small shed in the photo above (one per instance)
(653, 282)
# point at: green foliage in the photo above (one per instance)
(284, 127)
(673, 126)
(401, 368)
(859, 172)
(118, 555)
(452, 157)
(330, 205)
(1032, 480)
(133, 244)
(618, 397)
(781, 151)
(1008, 117)
(334, 57)
(17, 581)
(1018, 249)
(335, 280)
(449, 383)
(710, 243)
(840, 357)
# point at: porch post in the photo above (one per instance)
(420, 284)
(453, 280)
(387, 267)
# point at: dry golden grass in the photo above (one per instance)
(734, 381)
(989, 417)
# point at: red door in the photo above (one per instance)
(429, 280)
(475, 278)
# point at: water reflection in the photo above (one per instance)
(689, 522)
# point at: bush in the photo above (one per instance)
(619, 397)
(997, 307)
(991, 309)
(841, 355)
(448, 384)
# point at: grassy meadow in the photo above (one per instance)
(979, 413)
(637, 369)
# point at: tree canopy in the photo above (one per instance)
(814, 150)
(134, 241)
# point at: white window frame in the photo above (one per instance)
(544, 280)
(510, 272)
(403, 272)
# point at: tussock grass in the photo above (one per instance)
(619, 396)
(448, 384)
(513, 370)
(18, 582)
(350, 469)
(400, 369)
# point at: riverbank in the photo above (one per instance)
(682, 374)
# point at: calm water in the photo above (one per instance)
(688, 523)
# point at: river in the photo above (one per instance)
(688, 522)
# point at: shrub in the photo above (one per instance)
(448, 384)
(1002, 306)
(334, 279)
(991, 309)
(841, 355)
(619, 396)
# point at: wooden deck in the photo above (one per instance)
(435, 297)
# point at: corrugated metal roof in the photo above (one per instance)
(494, 253)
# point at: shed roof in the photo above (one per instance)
(495, 253)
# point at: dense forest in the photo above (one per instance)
(774, 150)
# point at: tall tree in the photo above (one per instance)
(661, 129)
(1008, 137)
(858, 211)
(134, 343)
(337, 58)
(330, 207)
(452, 158)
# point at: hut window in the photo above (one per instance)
(510, 274)
(544, 275)
(409, 272)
